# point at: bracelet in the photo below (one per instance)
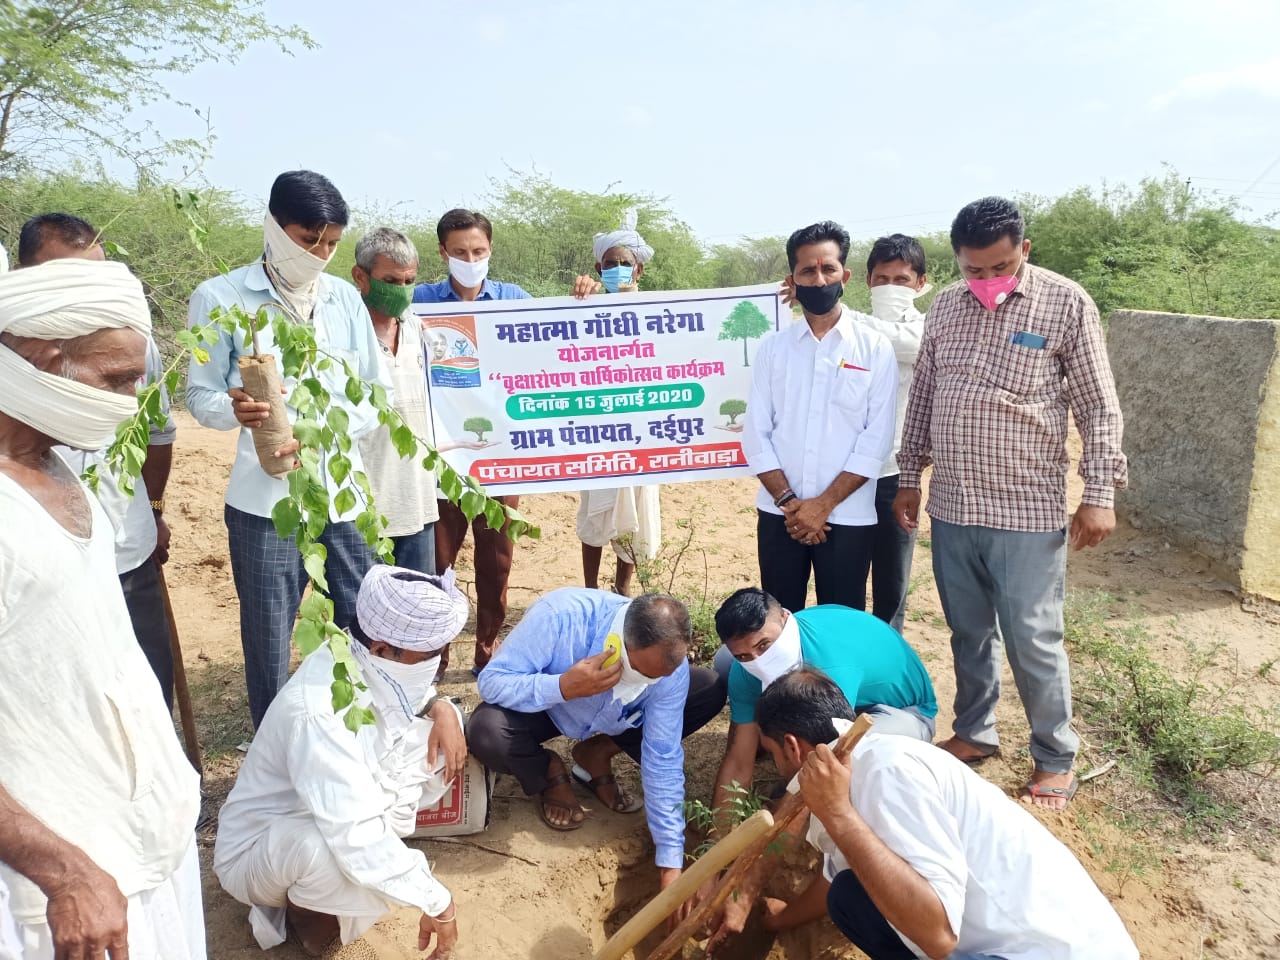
(157, 506)
(785, 496)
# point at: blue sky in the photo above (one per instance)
(752, 117)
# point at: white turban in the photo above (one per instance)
(624, 236)
(410, 610)
(63, 300)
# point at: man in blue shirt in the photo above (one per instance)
(874, 667)
(613, 674)
(305, 219)
(466, 243)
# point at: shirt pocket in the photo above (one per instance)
(1024, 372)
(851, 393)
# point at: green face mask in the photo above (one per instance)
(388, 299)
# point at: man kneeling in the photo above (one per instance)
(613, 674)
(310, 837)
(922, 857)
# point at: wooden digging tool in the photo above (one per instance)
(180, 688)
(790, 814)
(669, 900)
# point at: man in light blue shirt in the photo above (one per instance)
(867, 659)
(466, 243)
(306, 219)
(613, 674)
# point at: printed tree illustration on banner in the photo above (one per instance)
(477, 425)
(733, 409)
(745, 322)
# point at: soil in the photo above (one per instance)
(1193, 897)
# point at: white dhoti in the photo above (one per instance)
(292, 863)
(165, 922)
(607, 516)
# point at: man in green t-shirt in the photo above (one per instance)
(873, 666)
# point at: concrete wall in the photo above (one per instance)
(1201, 403)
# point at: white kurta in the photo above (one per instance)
(318, 813)
(86, 741)
(605, 516)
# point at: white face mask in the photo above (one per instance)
(396, 688)
(633, 682)
(784, 654)
(890, 301)
(294, 271)
(469, 273)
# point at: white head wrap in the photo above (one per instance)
(624, 236)
(410, 610)
(4, 260)
(63, 300)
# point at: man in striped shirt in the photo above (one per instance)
(1006, 355)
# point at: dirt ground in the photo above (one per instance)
(531, 893)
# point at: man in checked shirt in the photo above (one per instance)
(1005, 355)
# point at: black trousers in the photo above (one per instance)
(891, 549)
(839, 566)
(146, 610)
(861, 921)
(509, 741)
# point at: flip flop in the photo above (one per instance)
(969, 761)
(625, 803)
(1037, 790)
(543, 803)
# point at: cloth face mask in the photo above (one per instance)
(819, 300)
(614, 277)
(632, 683)
(890, 301)
(396, 687)
(993, 291)
(469, 273)
(784, 654)
(294, 271)
(388, 299)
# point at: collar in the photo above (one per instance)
(256, 279)
(843, 327)
(1028, 280)
(488, 290)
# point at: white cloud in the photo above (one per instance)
(1261, 79)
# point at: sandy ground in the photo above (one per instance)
(564, 893)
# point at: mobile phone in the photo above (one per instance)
(1025, 338)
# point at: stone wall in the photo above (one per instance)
(1201, 403)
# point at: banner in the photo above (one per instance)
(533, 396)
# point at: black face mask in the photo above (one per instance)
(819, 300)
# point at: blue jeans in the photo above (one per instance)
(417, 551)
(270, 579)
(1002, 591)
(891, 549)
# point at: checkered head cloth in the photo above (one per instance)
(410, 610)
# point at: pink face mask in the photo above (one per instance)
(993, 291)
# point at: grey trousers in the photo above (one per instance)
(1003, 590)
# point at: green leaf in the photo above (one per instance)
(114, 249)
(450, 483)
(342, 689)
(471, 504)
(313, 560)
(308, 635)
(316, 606)
(339, 468)
(494, 515)
(308, 432)
(403, 440)
(357, 717)
(286, 517)
(354, 390)
(344, 501)
(338, 421)
(378, 396)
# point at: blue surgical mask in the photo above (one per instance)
(615, 276)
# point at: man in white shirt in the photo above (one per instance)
(896, 276)
(311, 835)
(819, 426)
(922, 857)
(142, 536)
(98, 803)
(305, 219)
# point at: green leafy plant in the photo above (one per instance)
(742, 803)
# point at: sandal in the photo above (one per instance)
(1036, 791)
(624, 803)
(974, 760)
(577, 816)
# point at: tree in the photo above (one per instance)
(70, 70)
(477, 425)
(733, 409)
(745, 322)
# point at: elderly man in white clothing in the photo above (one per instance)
(922, 857)
(311, 835)
(628, 517)
(98, 804)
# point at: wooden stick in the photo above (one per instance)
(670, 899)
(790, 812)
(180, 688)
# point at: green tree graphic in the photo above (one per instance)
(477, 425)
(745, 322)
(733, 409)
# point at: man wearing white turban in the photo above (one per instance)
(98, 804)
(310, 837)
(630, 518)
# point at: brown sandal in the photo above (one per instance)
(624, 803)
(577, 815)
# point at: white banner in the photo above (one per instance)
(532, 396)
